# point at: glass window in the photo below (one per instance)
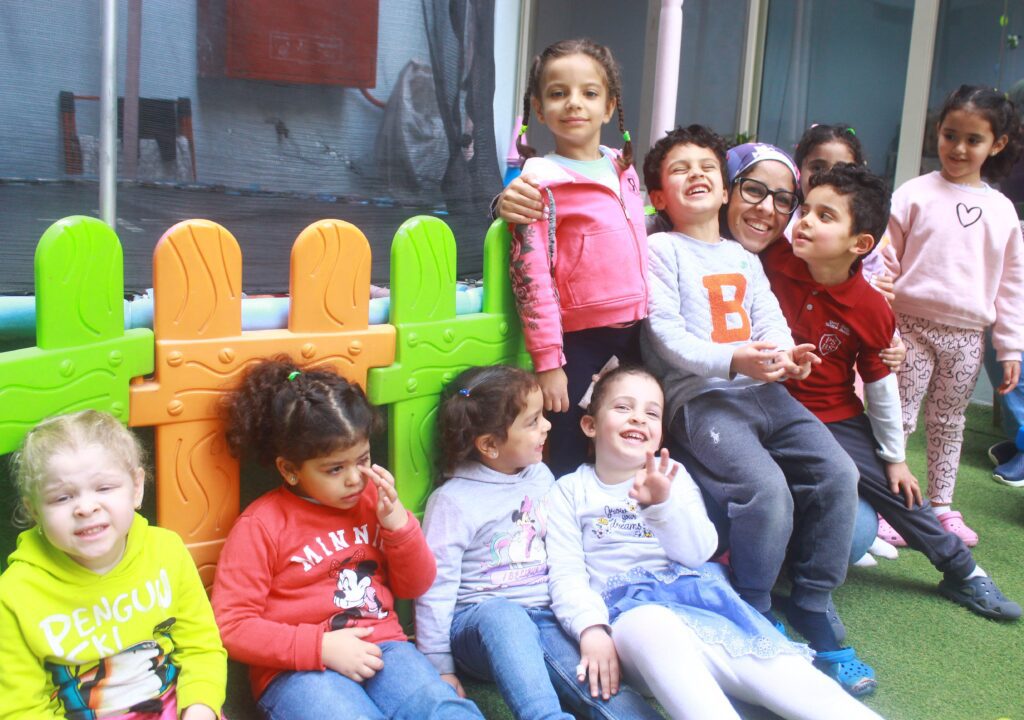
(837, 62)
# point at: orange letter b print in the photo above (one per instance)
(729, 321)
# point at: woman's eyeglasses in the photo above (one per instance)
(755, 191)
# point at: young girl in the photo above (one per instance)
(627, 539)
(959, 265)
(488, 613)
(306, 582)
(580, 271)
(101, 615)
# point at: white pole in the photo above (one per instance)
(108, 116)
(666, 71)
(915, 93)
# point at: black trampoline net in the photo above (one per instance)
(261, 115)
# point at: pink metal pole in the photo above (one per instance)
(666, 70)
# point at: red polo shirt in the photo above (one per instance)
(849, 324)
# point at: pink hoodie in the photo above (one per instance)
(589, 270)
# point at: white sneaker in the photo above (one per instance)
(867, 560)
(883, 549)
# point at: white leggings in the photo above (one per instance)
(660, 654)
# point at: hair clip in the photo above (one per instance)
(625, 136)
(464, 392)
(522, 130)
(851, 131)
(294, 374)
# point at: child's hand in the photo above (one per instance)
(198, 712)
(885, 284)
(902, 482)
(801, 359)
(894, 355)
(599, 661)
(346, 653)
(520, 202)
(554, 385)
(759, 360)
(453, 680)
(652, 485)
(390, 511)
(1011, 376)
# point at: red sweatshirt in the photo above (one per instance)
(292, 570)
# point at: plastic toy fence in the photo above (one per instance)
(172, 377)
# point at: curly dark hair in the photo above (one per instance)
(612, 80)
(278, 410)
(821, 134)
(699, 135)
(1002, 115)
(479, 401)
(869, 196)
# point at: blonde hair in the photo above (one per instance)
(30, 463)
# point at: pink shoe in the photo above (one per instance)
(954, 522)
(889, 534)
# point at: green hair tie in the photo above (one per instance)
(294, 374)
(625, 136)
(522, 130)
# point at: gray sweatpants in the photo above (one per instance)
(760, 454)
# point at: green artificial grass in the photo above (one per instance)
(934, 660)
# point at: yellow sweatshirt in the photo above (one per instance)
(77, 645)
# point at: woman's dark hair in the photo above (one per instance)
(479, 401)
(1002, 115)
(612, 79)
(817, 135)
(278, 410)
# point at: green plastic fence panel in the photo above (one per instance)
(433, 345)
(84, 358)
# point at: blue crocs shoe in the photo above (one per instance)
(1011, 472)
(843, 666)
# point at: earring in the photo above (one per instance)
(493, 454)
(292, 480)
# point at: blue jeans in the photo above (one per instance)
(1012, 402)
(533, 662)
(406, 688)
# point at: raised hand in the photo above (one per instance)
(390, 511)
(653, 483)
(346, 653)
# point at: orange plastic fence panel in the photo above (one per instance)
(201, 351)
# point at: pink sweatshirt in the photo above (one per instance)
(593, 275)
(958, 258)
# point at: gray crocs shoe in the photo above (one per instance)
(980, 595)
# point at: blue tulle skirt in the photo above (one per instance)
(706, 602)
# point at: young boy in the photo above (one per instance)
(718, 340)
(828, 303)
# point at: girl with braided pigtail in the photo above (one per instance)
(580, 271)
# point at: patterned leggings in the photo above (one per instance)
(942, 367)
